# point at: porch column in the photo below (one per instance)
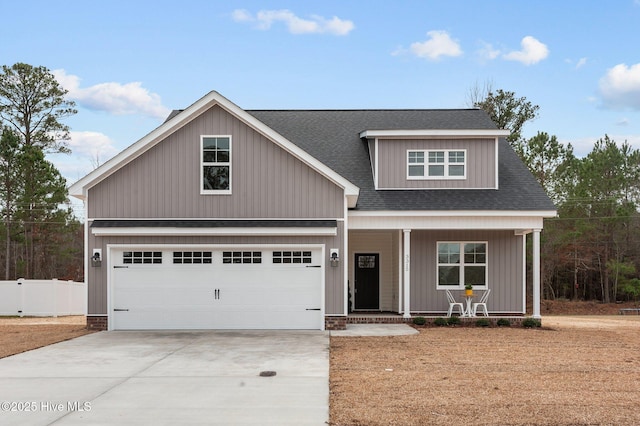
(407, 272)
(536, 273)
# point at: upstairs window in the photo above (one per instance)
(216, 164)
(440, 164)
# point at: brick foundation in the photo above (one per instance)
(335, 323)
(97, 323)
(377, 320)
(398, 319)
(340, 323)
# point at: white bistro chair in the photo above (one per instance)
(453, 304)
(482, 304)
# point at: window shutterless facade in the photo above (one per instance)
(215, 159)
(461, 263)
(437, 164)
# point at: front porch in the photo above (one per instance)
(389, 270)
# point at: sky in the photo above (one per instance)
(127, 64)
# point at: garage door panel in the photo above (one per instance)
(216, 295)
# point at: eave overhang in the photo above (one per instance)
(434, 133)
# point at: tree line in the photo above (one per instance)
(40, 236)
(591, 250)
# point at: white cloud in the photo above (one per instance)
(624, 121)
(487, 51)
(88, 150)
(438, 45)
(583, 146)
(115, 98)
(264, 19)
(620, 87)
(581, 62)
(92, 145)
(399, 51)
(241, 15)
(533, 51)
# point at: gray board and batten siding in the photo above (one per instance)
(504, 263)
(267, 181)
(480, 163)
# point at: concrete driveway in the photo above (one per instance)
(164, 377)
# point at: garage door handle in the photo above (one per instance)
(121, 310)
(313, 309)
(313, 266)
(120, 267)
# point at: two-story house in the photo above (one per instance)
(225, 218)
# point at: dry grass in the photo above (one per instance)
(23, 334)
(573, 371)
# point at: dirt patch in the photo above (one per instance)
(24, 334)
(573, 371)
(569, 307)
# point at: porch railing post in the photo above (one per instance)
(536, 273)
(407, 273)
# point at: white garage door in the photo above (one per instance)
(216, 288)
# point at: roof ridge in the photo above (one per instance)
(363, 109)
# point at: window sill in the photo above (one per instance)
(213, 192)
(436, 177)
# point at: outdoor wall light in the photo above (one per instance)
(96, 258)
(334, 257)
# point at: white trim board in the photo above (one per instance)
(257, 231)
(451, 133)
(462, 222)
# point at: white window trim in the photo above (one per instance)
(446, 164)
(202, 164)
(460, 286)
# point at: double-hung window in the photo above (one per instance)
(461, 263)
(215, 164)
(437, 164)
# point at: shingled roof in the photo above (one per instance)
(332, 137)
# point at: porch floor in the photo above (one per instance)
(396, 318)
(376, 318)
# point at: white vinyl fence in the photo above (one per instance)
(42, 298)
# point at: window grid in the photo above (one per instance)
(241, 257)
(141, 257)
(192, 257)
(461, 263)
(436, 164)
(292, 257)
(216, 164)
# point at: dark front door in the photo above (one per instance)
(367, 281)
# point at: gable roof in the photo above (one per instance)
(332, 143)
(334, 137)
(179, 119)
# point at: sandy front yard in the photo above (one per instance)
(574, 371)
(23, 334)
